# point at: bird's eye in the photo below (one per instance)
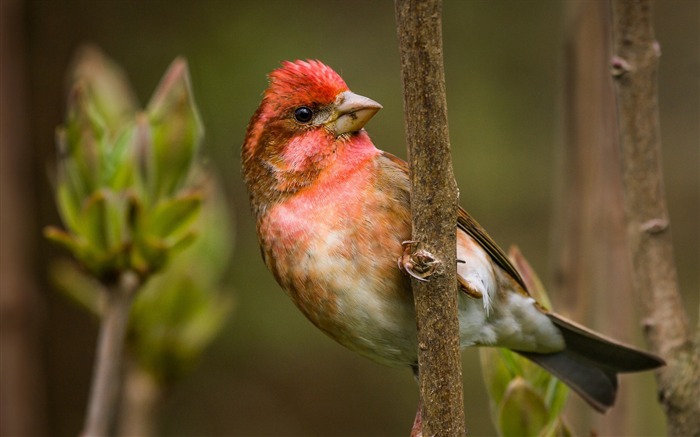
(303, 114)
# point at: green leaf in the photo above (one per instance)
(144, 160)
(525, 399)
(149, 254)
(74, 283)
(183, 306)
(63, 238)
(118, 163)
(523, 412)
(556, 396)
(107, 84)
(183, 242)
(495, 372)
(557, 428)
(84, 136)
(176, 128)
(172, 216)
(514, 363)
(175, 318)
(102, 230)
(93, 218)
(68, 206)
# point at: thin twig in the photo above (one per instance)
(434, 211)
(142, 395)
(110, 345)
(634, 67)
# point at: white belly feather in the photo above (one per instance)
(510, 320)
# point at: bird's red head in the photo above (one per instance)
(303, 83)
(299, 84)
(306, 113)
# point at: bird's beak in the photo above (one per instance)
(351, 113)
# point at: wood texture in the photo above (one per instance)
(592, 275)
(22, 391)
(634, 67)
(434, 199)
(105, 392)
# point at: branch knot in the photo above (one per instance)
(654, 226)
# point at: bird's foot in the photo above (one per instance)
(417, 262)
(417, 428)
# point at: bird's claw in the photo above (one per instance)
(418, 263)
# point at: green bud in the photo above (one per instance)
(170, 218)
(165, 229)
(144, 159)
(107, 85)
(525, 399)
(182, 309)
(69, 197)
(121, 180)
(80, 144)
(125, 195)
(522, 411)
(496, 374)
(80, 288)
(71, 242)
(176, 130)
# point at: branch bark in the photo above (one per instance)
(140, 402)
(104, 394)
(634, 67)
(434, 199)
(22, 397)
(592, 273)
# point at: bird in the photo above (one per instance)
(333, 216)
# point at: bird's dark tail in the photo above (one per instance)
(590, 363)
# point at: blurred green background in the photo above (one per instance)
(271, 372)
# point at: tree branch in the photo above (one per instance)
(592, 272)
(22, 392)
(434, 209)
(104, 395)
(634, 67)
(142, 395)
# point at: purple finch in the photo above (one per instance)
(332, 212)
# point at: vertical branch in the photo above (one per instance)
(434, 210)
(634, 67)
(590, 262)
(104, 395)
(21, 394)
(141, 398)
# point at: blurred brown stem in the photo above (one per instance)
(592, 273)
(104, 394)
(22, 398)
(634, 67)
(141, 398)
(434, 211)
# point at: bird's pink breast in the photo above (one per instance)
(333, 247)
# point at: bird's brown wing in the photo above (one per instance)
(466, 223)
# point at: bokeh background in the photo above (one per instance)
(271, 372)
